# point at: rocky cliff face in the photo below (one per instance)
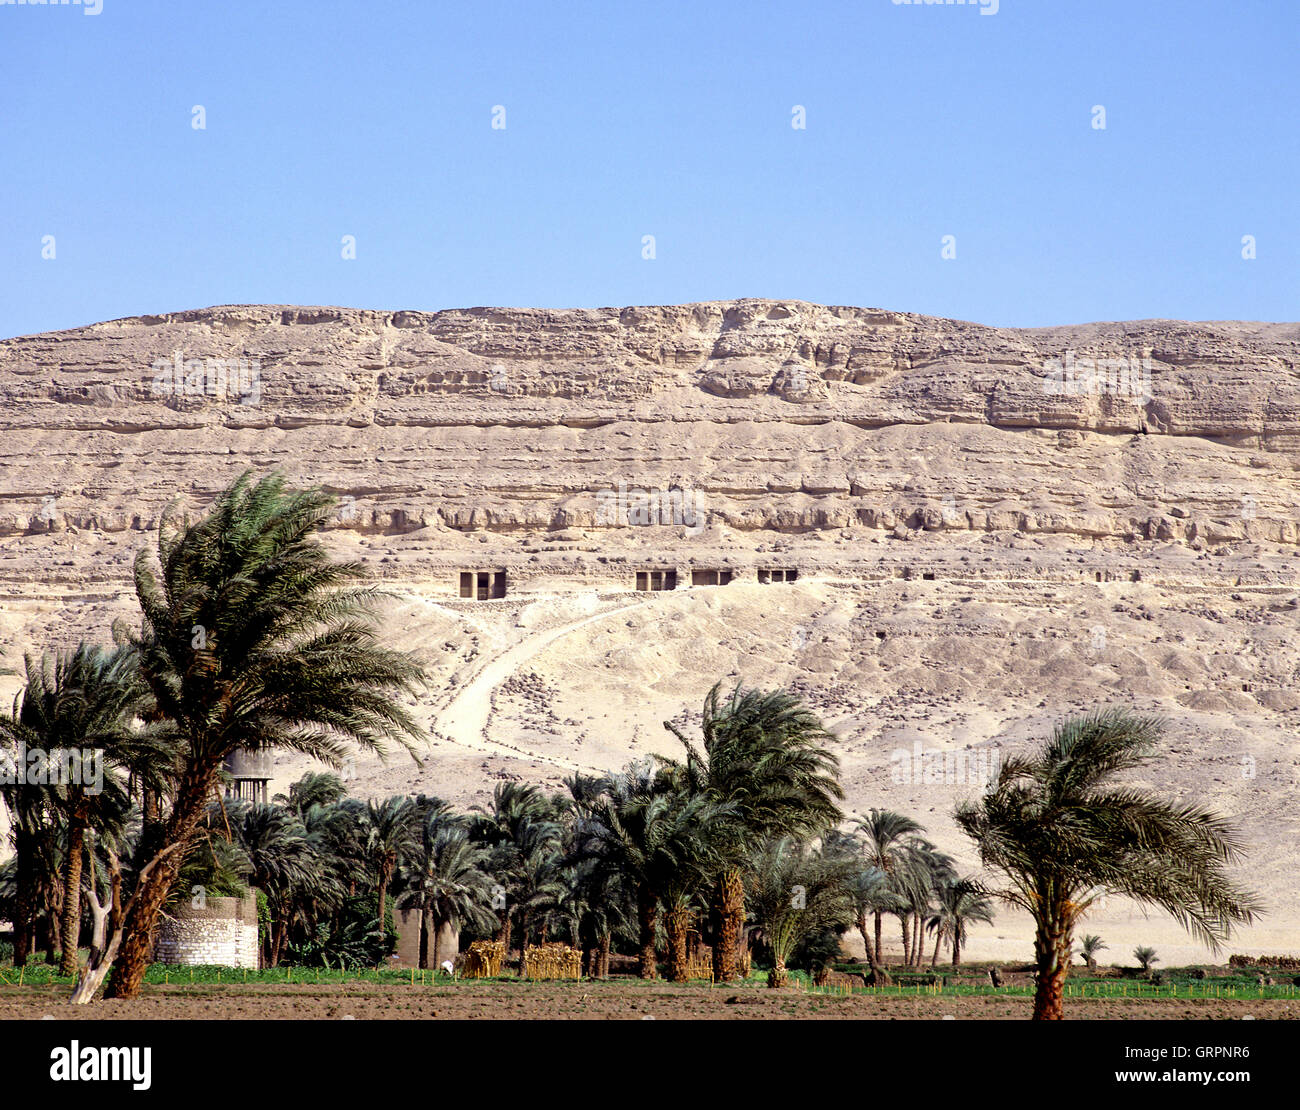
(782, 416)
(991, 528)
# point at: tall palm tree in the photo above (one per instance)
(253, 637)
(76, 707)
(283, 862)
(388, 830)
(922, 868)
(537, 886)
(450, 886)
(516, 809)
(647, 830)
(885, 836)
(1063, 833)
(763, 755)
(959, 903)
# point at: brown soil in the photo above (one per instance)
(616, 999)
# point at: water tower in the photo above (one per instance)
(250, 773)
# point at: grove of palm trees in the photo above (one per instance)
(727, 858)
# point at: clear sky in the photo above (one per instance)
(626, 119)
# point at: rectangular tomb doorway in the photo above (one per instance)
(482, 585)
(710, 577)
(647, 580)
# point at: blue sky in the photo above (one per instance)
(668, 119)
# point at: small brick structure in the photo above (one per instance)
(221, 933)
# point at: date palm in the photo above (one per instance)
(794, 891)
(283, 862)
(1145, 957)
(885, 837)
(80, 702)
(253, 637)
(1063, 832)
(646, 830)
(388, 832)
(959, 903)
(516, 810)
(315, 788)
(449, 885)
(763, 756)
(537, 886)
(1088, 949)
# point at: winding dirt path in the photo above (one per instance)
(464, 719)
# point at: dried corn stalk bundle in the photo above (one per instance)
(552, 961)
(484, 958)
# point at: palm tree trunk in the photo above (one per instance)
(647, 911)
(938, 940)
(729, 904)
(907, 939)
(523, 940)
(136, 952)
(678, 923)
(25, 894)
(956, 950)
(425, 919)
(437, 931)
(866, 942)
(53, 915)
(100, 962)
(279, 936)
(918, 948)
(1052, 943)
(385, 875)
(778, 976)
(72, 896)
(880, 946)
(602, 966)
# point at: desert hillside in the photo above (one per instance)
(976, 551)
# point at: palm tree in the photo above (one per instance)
(959, 903)
(450, 888)
(516, 807)
(1063, 834)
(537, 887)
(872, 894)
(1145, 957)
(601, 902)
(388, 830)
(793, 892)
(763, 756)
(315, 788)
(646, 830)
(918, 869)
(253, 637)
(885, 838)
(1088, 949)
(76, 707)
(283, 862)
